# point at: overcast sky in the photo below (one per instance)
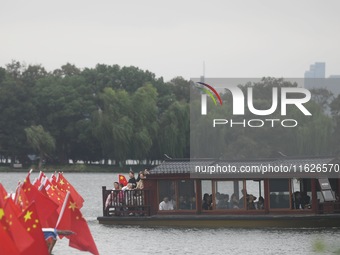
(172, 38)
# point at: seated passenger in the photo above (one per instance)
(260, 204)
(206, 203)
(223, 202)
(173, 201)
(250, 202)
(165, 204)
(234, 202)
(183, 205)
(305, 200)
(193, 203)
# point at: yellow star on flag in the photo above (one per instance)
(2, 213)
(73, 206)
(61, 182)
(28, 216)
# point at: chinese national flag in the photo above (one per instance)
(122, 180)
(44, 205)
(64, 185)
(30, 220)
(73, 220)
(19, 235)
(7, 245)
(20, 198)
(3, 193)
(55, 193)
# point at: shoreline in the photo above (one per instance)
(77, 168)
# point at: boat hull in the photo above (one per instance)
(227, 221)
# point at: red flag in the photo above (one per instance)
(122, 180)
(73, 220)
(20, 198)
(54, 193)
(30, 220)
(7, 245)
(15, 229)
(39, 180)
(64, 185)
(3, 194)
(44, 205)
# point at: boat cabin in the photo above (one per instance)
(172, 189)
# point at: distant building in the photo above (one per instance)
(317, 70)
(315, 78)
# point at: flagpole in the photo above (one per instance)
(63, 208)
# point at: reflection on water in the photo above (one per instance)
(138, 240)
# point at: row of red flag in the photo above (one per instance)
(47, 203)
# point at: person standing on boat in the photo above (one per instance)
(111, 197)
(140, 182)
(132, 179)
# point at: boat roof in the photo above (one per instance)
(180, 166)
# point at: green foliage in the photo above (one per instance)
(40, 141)
(118, 113)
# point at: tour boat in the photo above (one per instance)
(176, 194)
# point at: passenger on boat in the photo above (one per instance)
(297, 200)
(305, 200)
(241, 201)
(132, 179)
(260, 204)
(140, 182)
(223, 203)
(234, 202)
(206, 203)
(165, 204)
(183, 205)
(144, 172)
(173, 201)
(218, 197)
(129, 199)
(250, 202)
(193, 203)
(111, 197)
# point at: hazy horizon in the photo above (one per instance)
(234, 39)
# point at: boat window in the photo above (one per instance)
(236, 199)
(167, 189)
(301, 193)
(186, 195)
(255, 194)
(279, 193)
(224, 189)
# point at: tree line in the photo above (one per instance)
(106, 112)
(118, 113)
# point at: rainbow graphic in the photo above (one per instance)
(208, 92)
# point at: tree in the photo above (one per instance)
(144, 116)
(113, 126)
(41, 141)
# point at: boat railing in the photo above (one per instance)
(126, 202)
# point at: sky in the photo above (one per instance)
(249, 38)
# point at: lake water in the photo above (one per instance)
(138, 240)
